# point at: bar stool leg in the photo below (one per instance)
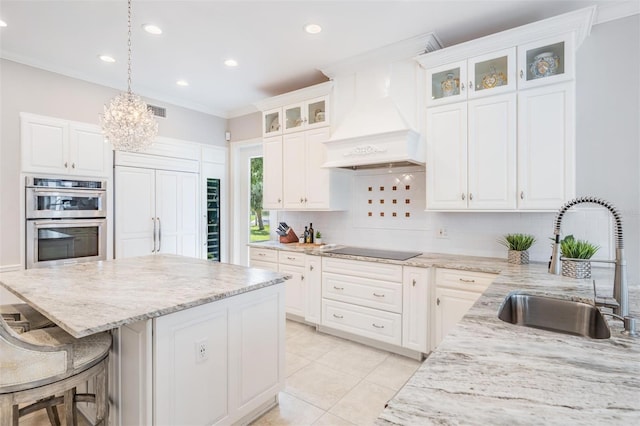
(70, 407)
(102, 396)
(54, 418)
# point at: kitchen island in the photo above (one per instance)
(186, 333)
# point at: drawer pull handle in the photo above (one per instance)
(413, 282)
(378, 295)
(261, 254)
(467, 281)
(291, 258)
(338, 288)
(377, 326)
(338, 316)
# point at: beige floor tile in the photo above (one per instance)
(320, 385)
(294, 363)
(353, 358)
(40, 418)
(329, 419)
(290, 411)
(294, 328)
(312, 345)
(363, 403)
(393, 372)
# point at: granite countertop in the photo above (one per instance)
(489, 372)
(87, 298)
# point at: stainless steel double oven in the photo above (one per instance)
(65, 221)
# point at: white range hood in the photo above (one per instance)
(377, 107)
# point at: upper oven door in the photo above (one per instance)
(44, 203)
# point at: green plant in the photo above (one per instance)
(577, 249)
(318, 234)
(519, 242)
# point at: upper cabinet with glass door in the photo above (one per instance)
(546, 61)
(306, 115)
(489, 74)
(271, 122)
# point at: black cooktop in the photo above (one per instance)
(380, 254)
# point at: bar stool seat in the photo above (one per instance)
(23, 317)
(42, 369)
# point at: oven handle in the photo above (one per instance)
(58, 223)
(154, 235)
(75, 193)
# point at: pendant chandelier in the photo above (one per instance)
(128, 123)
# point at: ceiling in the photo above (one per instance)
(267, 39)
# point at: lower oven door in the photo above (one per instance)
(57, 242)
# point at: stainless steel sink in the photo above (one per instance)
(548, 313)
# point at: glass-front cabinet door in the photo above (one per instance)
(447, 83)
(317, 112)
(271, 123)
(492, 73)
(546, 61)
(294, 118)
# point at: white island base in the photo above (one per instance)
(218, 363)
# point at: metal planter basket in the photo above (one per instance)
(518, 257)
(576, 269)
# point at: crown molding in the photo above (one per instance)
(401, 50)
(617, 10)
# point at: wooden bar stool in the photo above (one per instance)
(42, 368)
(22, 317)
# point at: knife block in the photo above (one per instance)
(291, 237)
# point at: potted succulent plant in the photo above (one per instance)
(574, 257)
(318, 239)
(518, 245)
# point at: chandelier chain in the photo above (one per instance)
(129, 46)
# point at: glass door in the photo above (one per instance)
(213, 219)
(546, 61)
(446, 83)
(493, 73)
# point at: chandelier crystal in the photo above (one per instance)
(128, 123)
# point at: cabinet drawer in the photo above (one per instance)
(359, 268)
(263, 255)
(271, 266)
(465, 280)
(363, 291)
(366, 322)
(291, 258)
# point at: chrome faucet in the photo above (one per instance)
(620, 289)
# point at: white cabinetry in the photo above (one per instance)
(415, 308)
(156, 212)
(363, 298)
(220, 362)
(546, 146)
(455, 292)
(55, 146)
(263, 258)
(471, 150)
(304, 115)
(313, 287)
(272, 173)
(541, 129)
(295, 298)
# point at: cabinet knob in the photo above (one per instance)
(66, 165)
(305, 199)
(470, 85)
(461, 86)
(521, 74)
(522, 195)
(463, 196)
(438, 301)
(301, 200)
(413, 282)
(470, 196)
(301, 277)
(279, 200)
(311, 267)
(73, 165)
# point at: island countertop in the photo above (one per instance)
(87, 298)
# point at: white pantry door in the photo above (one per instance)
(177, 212)
(134, 211)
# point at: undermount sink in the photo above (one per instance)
(548, 313)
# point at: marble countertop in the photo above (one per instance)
(87, 298)
(489, 372)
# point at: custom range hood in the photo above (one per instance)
(376, 108)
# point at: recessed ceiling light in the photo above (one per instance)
(2, 23)
(106, 58)
(182, 83)
(231, 63)
(312, 28)
(152, 29)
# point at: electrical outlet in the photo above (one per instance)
(202, 350)
(442, 232)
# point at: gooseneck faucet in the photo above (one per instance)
(620, 289)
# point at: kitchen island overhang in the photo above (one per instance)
(164, 311)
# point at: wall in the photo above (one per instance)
(608, 154)
(245, 127)
(28, 89)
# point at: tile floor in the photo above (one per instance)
(332, 381)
